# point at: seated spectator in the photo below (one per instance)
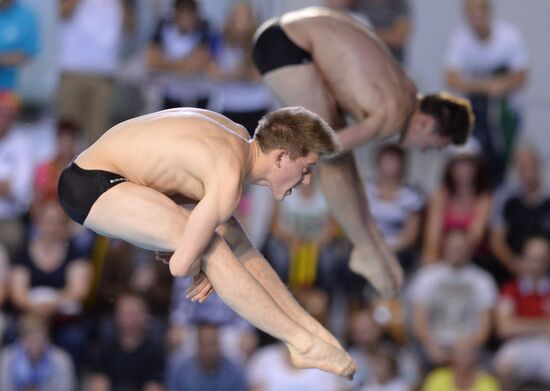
(395, 206)
(238, 92)
(18, 41)
(15, 175)
(391, 21)
(51, 277)
(132, 359)
(463, 202)
(386, 374)
(270, 368)
(178, 55)
(47, 173)
(464, 373)
(451, 301)
(521, 211)
(523, 318)
(301, 232)
(237, 338)
(367, 343)
(33, 363)
(208, 369)
(90, 38)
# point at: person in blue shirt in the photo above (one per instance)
(208, 369)
(18, 40)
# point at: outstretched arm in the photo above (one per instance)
(218, 204)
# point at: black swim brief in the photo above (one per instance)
(78, 189)
(273, 49)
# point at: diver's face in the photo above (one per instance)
(422, 134)
(290, 173)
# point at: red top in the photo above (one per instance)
(528, 301)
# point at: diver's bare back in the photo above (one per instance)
(172, 151)
(358, 68)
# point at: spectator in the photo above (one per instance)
(369, 348)
(487, 61)
(237, 338)
(33, 363)
(462, 202)
(350, 7)
(451, 301)
(132, 359)
(523, 318)
(18, 41)
(301, 232)
(386, 374)
(46, 174)
(208, 369)
(238, 93)
(396, 207)
(178, 55)
(521, 211)
(15, 175)
(464, 374)
(391, 21)
(91, 35)
(51, 277)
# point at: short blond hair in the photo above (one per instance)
(297, 131)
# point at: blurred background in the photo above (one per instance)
(470, 225)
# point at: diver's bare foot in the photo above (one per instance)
(324, 356)
(371, 266)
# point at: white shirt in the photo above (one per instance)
(478, 59)
(271, 368)
(16, 166)
(454, 297)
(91, 38)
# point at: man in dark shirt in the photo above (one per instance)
(133, 361)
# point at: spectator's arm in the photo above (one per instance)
(500, 248)
(478, 228)
(20, 187)
(67, 7)
(409, 233)
(467, 86)
(397, 34)
(19, 288)
(4, 270)
(501, 85)
(484, 327)
(422, 330)
(195, 62)
(79, 275)
(432, 234)
(98, 382)
(508, 325)
(13, 58)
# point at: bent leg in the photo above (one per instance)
(151, 220)
(262, 271)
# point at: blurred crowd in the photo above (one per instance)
(79, 311)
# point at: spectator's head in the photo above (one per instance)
(9, 107)
(33, 334)
(535, 258)
(6, 3)
(440, 119)
(131, 314)
(456, 248)
(385, 366)
(187, 15)
(464, 357)
(315, 301)
(240, 24)
(478, 15)
(391, 162)
(465, 172)
(344, 5)
(527, 165)
(365, 332)
(67, 132)
(291, 141)
(50, 221)
(208, 345)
